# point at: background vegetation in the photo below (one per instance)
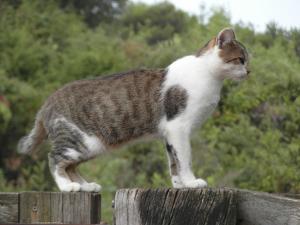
(251, 141)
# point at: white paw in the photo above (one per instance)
(70, 187)
(90, 187)
(197, 183)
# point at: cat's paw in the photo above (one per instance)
(197, 183)
(90, 187)
(73, 186)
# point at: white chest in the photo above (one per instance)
(202, 86)
(201, 107)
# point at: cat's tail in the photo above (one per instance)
(30, 142)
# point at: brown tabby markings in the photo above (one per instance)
(116, 109)
(234, 51)
(175, 101)
(206, 47)
(174, 163)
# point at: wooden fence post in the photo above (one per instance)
(59, 207)
(175, 207)
(153, 206)
(258, 208)
(9, 208)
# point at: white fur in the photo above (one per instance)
(63, 181)
(90, 187)
(94, 145)
(235, 72)
(73, 154)
(199, 76)
(202, 78)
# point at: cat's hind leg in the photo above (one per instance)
(84, 185)
(71, 146)
(61, 177)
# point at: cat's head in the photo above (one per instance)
(232, 57)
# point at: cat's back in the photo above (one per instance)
(127, 86)
(105, 105)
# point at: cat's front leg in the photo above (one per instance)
(179, 155)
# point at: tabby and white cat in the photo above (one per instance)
(88, 117)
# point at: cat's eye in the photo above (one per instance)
(242, 61)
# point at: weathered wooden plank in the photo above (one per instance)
(175, 207)
(59, 207)
(9, 208)
(258, 208)
(57, 201)
(289, 195)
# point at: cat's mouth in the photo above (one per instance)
(240, 78)
(242, 75)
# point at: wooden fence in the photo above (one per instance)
(50, 207)
(153, 207)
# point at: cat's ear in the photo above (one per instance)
(225, 36)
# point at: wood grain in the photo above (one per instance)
(258, 208)
(154, 206)
(52, 207)
(9, 208)
(175, 207)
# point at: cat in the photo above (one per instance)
(89, 117)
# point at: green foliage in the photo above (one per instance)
(4, 186)
(95, 11)
(157, 23)
(36, 177)
(252, 140)
(5, 116)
